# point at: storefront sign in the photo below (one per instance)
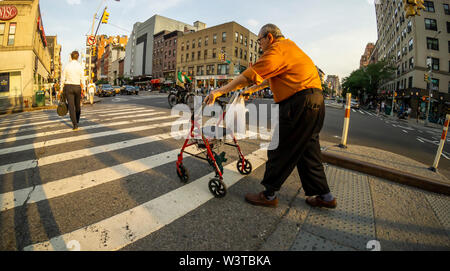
(7, 13)
(41, 31)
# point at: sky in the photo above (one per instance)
(333, 33)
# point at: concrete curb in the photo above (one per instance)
(387, 173)
(13, 111)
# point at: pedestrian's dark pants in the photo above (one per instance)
(73, 96)
(301, 118)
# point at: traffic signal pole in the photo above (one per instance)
(90, 51)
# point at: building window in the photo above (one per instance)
(241, 39)
(448, 27)
(434, 64)
(2, 33)
(410, 82)
(446, 10)
(251, 43)
(182, 46)
(193, 56)
(206, 54)
(199, 55)
(187, 45)
(430, 24)
(433, 44)
(245, 41)
(214, 53)
(411, 44)
(223, 69)
(240, 53)
(187, 57)
(236, 37)
(199, 70)
(206, 41)
(215, 39)
(199, 42)
(429, 6)
(411, 63)
(193, 44)
(210, 69)
(245, 55)
(224, 37)
(12, 33)
(235, 51)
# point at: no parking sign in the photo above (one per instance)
(91, 40)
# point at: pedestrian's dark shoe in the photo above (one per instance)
(75, 128)
(319, 202)
(261, 200)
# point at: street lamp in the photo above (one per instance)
(430, 82)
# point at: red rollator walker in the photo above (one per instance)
(208, 140)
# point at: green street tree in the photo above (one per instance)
(368, 80)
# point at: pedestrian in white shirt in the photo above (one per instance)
(73, 81)
(91, 92)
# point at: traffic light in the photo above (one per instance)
(105, 17)
(94, 51)
(426, 78)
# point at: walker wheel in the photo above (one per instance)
(247, 167)
(182, 174)
(217, 188)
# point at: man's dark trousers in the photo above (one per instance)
(73, 96)
(301, 118)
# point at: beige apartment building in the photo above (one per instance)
(198, 53)
(55, 58)
(408, 43)
(24, 55)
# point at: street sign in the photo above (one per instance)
(91, 40)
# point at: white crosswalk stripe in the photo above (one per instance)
(24, 150)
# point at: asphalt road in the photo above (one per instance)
(367, 129)
(113, 184)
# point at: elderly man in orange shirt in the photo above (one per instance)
(296, 86)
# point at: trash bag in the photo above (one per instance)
(235, 117)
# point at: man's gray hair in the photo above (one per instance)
(272, 29)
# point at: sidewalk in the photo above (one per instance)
(372, 212)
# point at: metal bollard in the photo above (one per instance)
(346, 122)
(441, 145)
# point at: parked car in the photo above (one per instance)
(106, 91)
(128, 90)
(354, 104)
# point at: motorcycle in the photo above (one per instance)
(180, 95)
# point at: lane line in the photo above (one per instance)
(127, 227)
(59, 141)
(62, 120)
(64, 131)
(68, 122)
(87, 180)
(47, 160)
(83, 112)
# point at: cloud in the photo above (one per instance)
(73, 2)
(252, 22)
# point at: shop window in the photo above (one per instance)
(4, 84)
(12, 34)
(2, 33)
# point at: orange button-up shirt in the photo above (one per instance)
(288, 69)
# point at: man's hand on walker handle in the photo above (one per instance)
(211, 98)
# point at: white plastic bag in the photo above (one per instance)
(235, 117)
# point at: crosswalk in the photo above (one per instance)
(47, 170)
